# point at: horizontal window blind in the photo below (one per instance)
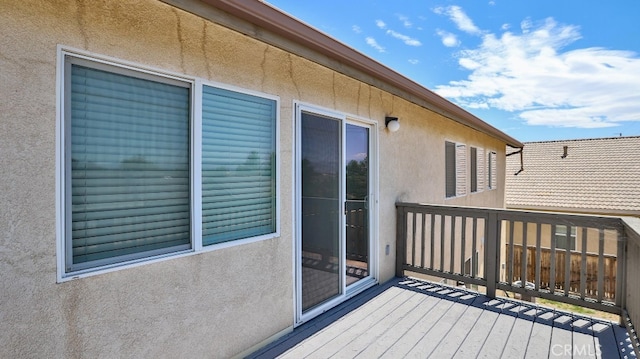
(129, 167)
(238, 165)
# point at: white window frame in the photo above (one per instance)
(196, 86)
(568, 233)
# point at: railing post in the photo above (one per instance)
(401, 239)
(491, 253)
(621, 270)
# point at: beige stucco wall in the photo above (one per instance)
(213, 304)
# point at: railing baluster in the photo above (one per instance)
(442, 220)
(567, 263)
(474, 259)
(552, 270)
(525, 251)
(433, 240)
(601, 265)
(510, 253)
(583, 264)
(413, 238)
(452, 254)
(424, 230)
(463, 244)
(538, 260)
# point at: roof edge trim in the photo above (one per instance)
(273, 20)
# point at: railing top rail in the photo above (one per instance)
(557, 218)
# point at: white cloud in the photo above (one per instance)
(356, 29)
(526, 25)
(448, 39)
(405, 21)
(381, 24)
(406, 39)
(359, 156)
(462, 21)
(373, 43)
(505, 27)
(531, 74)
(414, 61)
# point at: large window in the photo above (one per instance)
(130, 187)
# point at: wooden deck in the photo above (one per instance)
(407, 318)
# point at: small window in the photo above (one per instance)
(455, 169)
(473, 159)
(238, 165)
(450, 168)
(562, 240)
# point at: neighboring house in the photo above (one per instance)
(196, 178)
(590, 176)
(594, 176)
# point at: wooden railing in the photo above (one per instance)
(631, 307)
(484, 247)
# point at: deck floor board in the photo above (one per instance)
(408, 318)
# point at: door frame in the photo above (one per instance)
(372, 279)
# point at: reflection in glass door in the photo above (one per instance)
(333, 248)
(357, 205)
(320, 176)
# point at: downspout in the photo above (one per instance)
(521, 159)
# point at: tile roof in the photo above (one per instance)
(596, 176)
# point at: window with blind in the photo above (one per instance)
(455, 169)
(128, 176)
(129, 166)
(238, 172)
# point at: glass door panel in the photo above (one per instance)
(357, 203)
(320, 166)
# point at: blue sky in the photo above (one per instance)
(536, 69)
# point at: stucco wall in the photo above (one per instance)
(220, 302)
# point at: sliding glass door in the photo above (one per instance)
(333, 246)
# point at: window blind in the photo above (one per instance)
(129, 167)
(238, 165)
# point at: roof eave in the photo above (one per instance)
(273, 20)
